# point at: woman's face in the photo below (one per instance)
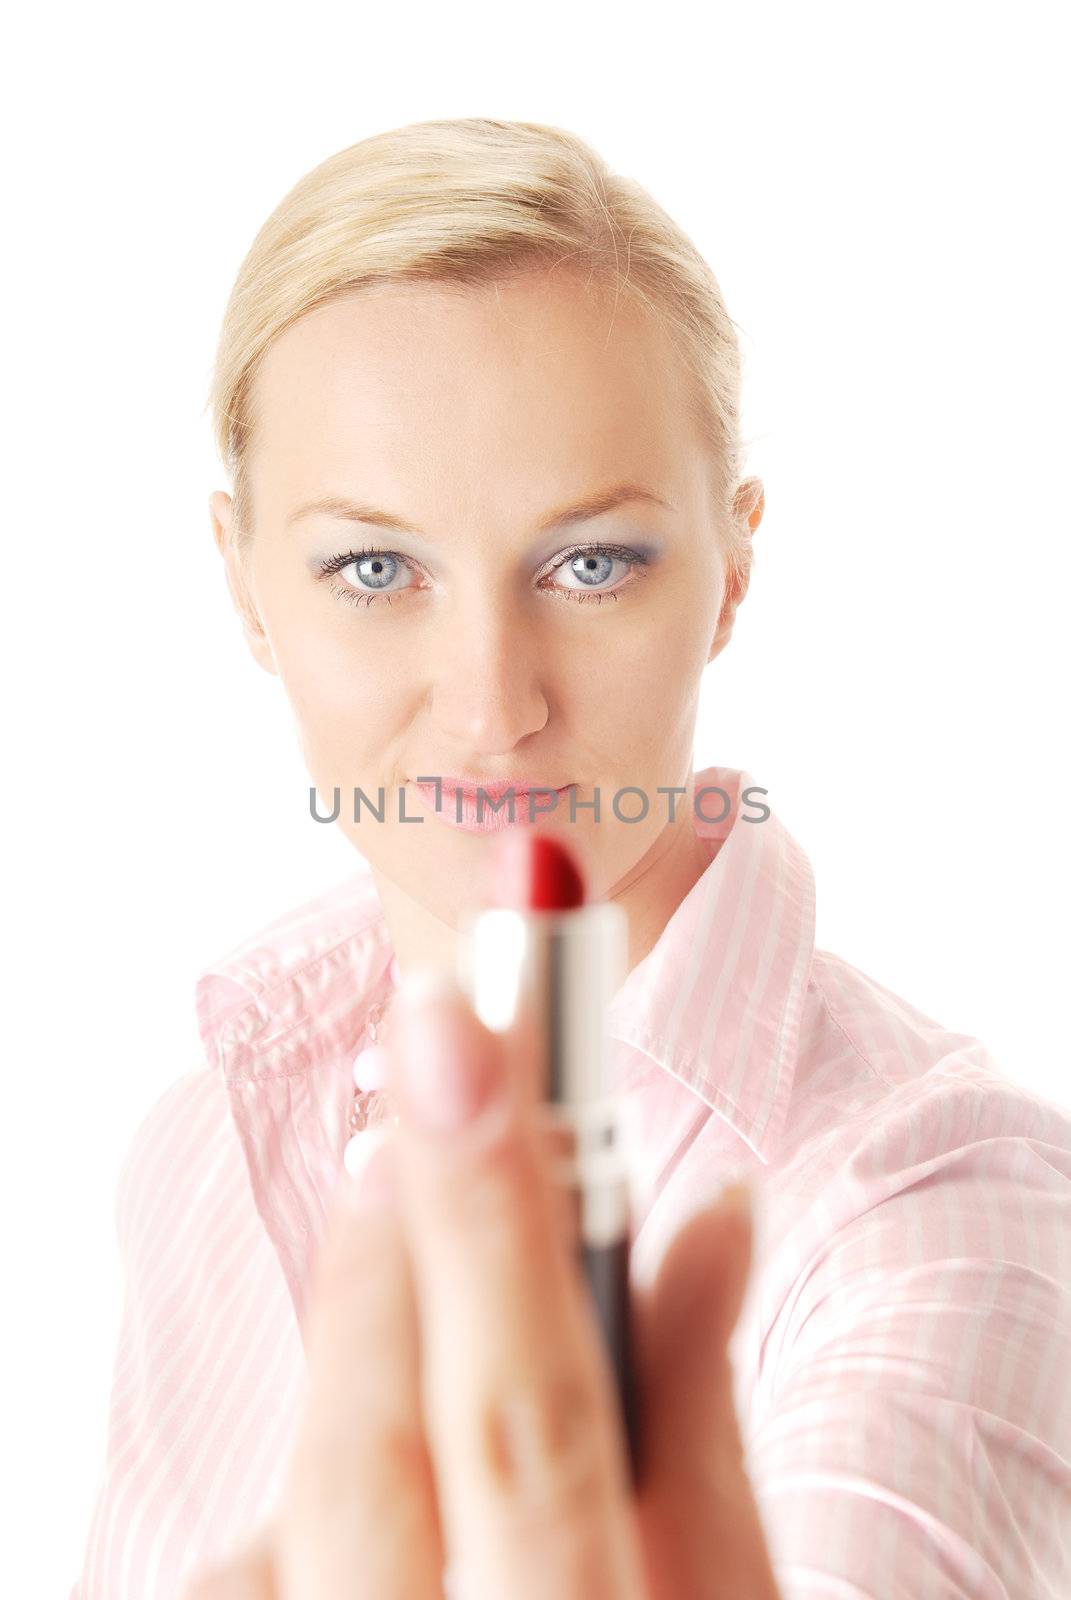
(469, 644)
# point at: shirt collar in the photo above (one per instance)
(717, 1002)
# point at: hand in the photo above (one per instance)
(459, 1405)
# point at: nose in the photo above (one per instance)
(486, 674)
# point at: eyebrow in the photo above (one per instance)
(591, 506)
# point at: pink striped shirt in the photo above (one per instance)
(903, 1360)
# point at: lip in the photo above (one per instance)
(459, 796)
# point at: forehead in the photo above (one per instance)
(544, 364)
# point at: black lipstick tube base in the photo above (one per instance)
(605, 1268)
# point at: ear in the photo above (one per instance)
(225, 533)
(749, 503)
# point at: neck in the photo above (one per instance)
(419, 938)
(652, 890)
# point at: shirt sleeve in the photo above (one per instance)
(208, 1354)
(918, 1438)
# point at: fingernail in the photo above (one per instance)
(453, 1582)
(735, 1200)
(368, 1180)
(443, 1085)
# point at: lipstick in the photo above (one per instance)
(542, 962)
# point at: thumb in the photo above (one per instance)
(683, 1329)
(702, 1531)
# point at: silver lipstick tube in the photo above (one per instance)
(547, 978)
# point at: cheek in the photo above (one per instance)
(345, 689)
(646, 674)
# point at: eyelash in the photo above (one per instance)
(347, 592)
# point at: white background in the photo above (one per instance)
(881, 192)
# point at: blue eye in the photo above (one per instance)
(373, 572)
(592, 566)
(378, 570)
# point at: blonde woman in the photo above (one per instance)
(480, 397)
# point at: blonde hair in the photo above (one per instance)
(470, 201)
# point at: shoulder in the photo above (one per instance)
(906, 1140)
(911, 1059)
(182, 1146)
(925, 1207)
(335, 940)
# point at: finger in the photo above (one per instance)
(520, 1400)
(703, 1535)
(359, 1513)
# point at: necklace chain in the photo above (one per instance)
(370, 1107)
(377, 1021)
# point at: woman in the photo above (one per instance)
(480, 401)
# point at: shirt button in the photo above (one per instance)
(369, 1067)
(350, 1156)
